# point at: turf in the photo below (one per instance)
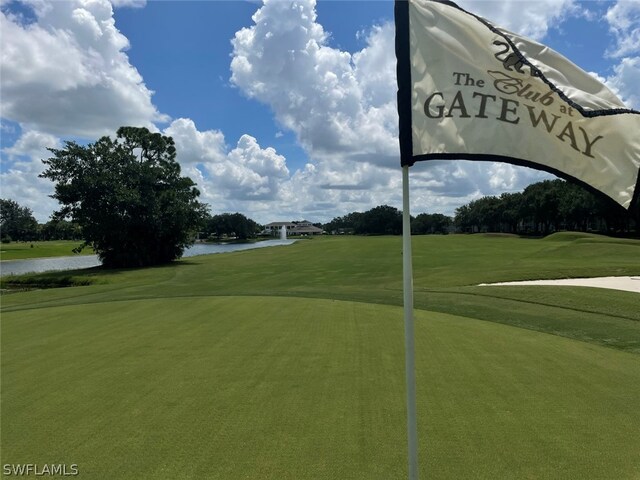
(22, 250)
(288, 363)
(250, 389)
(368, 269)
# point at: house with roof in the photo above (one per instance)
(304, 227)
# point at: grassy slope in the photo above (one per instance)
(22, 250)
(369, 270)
(183, 379)
(267, 388)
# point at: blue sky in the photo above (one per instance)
(281, 111)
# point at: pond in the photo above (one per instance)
(37, 265)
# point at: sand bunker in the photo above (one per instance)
(629, 284)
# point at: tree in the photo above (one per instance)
(542, 204)
(16, 222)
(60, 230)
(128, 197)
(231, 224)
(480, 215)
(547, 206)
(576, 206)
(345, 224)
(431, 223)
(463, 219)
(511, 211)
(380, 220)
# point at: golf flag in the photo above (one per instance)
(468, 89)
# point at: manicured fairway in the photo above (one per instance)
(288, 363)
(21, 250)
(265, 387)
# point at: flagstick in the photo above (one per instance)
(412, 427)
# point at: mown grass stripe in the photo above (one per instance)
(266, 387)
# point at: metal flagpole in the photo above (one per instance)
(407, 270)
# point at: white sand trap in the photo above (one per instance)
(629, 284)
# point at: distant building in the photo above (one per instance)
(293, 228)
(274, 228)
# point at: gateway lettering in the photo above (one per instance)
(465, 104)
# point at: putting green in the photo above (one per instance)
(294, 388)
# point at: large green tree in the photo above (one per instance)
(127, 195)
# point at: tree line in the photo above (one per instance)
(126, 199)
(17, 223)
(230, 225)
(542, 208)
(545, 207)
(387, 220)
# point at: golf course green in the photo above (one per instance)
(288, 363)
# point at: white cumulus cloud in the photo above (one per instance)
(532, 19)
(20, 180)
(624, 22)
(335, 102)
(342, 108)
(68, 74)
(245, 178)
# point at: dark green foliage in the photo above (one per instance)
(542, 208)
(426, 223)
(386, 220)
(128, 197)
(43, 280)
(345, 224)
(16, 222)
(381, 220)
(58, 229)
(231, 225)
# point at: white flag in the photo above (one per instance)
(468, 89)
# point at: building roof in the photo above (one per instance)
(307, 229)
(280, 224)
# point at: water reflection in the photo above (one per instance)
(37, 265)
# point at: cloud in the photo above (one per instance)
(625, 80)
(20, 182)
(342, 108)
(532, 19)
(68, 73)
(32, 144)
(244, 178)
(129, 3)
(624, 23)
(335, 102)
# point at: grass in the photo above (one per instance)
(23, 250)
(287, 363)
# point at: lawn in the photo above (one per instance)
(58, 248)
(288, 362)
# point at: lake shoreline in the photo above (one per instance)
(76, 262)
